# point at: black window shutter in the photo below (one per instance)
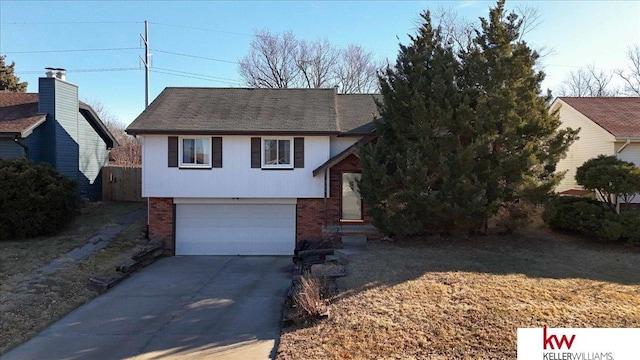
(255, 152)
(298, 152)
(172, 160)
(216, 152)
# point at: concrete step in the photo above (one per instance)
(356, 240)
(349, 250)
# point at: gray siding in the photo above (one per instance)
(67, 140)
(67, 152)
(10, 150)
(46, 104)
(59, 99)
(37, 144)
(93, 155)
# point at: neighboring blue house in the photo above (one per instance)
(53, 126)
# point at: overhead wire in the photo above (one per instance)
(193, 56)
(70, 22)
(152, 69)
(202, 29)
(192, 77)
(82, 70)
(196, 74)
(69, 50)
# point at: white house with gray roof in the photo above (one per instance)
(252, 171)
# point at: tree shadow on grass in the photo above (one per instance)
(538, 254)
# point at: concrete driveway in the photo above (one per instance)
(192, 307)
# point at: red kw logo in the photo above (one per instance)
(553, 339)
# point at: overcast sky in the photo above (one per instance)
(198, 43)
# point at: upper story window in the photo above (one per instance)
(277, 153)
(195, 152)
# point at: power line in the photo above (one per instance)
(189, 76)
(70, 22)
(203, 75)
(202, 29)
(271, 36)
(153, 69)
(194, 56)
(81, 70)
(68, 50)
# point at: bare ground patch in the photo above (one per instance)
(464, 298)
(31, 300)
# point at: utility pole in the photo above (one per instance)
(145, 61)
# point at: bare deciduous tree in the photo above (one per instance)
(587, 82)
(356, 72)
(316, 62)
(129, 150)
(459, 32)
(631, 75)
(282, 61)
(455, 30)
(272, 61)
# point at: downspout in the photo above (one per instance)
(624, 146)
(325, 199)
(25, 147)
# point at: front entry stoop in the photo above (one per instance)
(352, 244)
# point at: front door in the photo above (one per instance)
(351, 200)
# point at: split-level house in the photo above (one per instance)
(252, 171)
(53, 126)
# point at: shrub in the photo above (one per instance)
(630, 220)
(611, 228)
(34, 199)
(309, 300)
(610, 177)
(513, 215)
(583, 216)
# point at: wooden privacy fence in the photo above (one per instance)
(121, 183)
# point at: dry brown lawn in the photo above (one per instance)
(29, 300)
(464, 298)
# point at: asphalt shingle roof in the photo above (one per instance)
(247, 111)
(356, 112)
(19, 115)
(618, 115)
(19, 112)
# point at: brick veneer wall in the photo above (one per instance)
(161, 222)
(309, 219)
(350, 164)
(310, 212)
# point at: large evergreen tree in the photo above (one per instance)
(420, 140)
(460, 133)
(8, 80)
(524, 141)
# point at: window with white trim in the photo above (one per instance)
(195, 152)
(276, 153)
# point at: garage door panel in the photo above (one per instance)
(248, 229)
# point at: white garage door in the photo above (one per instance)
(247, 229)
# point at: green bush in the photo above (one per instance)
(34, 199)
(574, 214)
(593, 219)
(611, 228)
(583, 216)
(630, 220)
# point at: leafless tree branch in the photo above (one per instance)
(631, 75)
(282, 61)
(271, 62)
(356, 73)
(587, 82)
